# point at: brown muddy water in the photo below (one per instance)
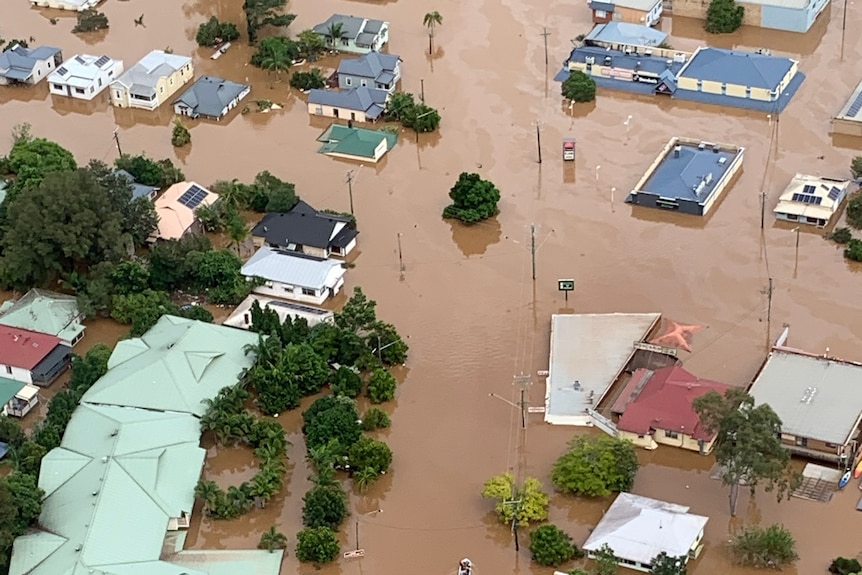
(473, 316)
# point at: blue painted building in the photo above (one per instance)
(789, 15)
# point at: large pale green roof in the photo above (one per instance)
(174, 367)
(44, 312)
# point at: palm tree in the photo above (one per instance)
(272, 540)
(264, 485)
(335, 32)
(363, 478)
(277, 60)
(431, 20)
(208, 491)
(238, 232)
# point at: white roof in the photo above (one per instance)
(27, 392)
(643, 5)
(293, 269)
(587, 353)
(284, 309)
(80, 70)
(639, 528)
(152, 67)
(801, 186)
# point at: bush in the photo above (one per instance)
(551, 546)
(723, 17)
(331, 418)
(841, 235)
(318, 545)
(473, 199)
(402, 107)
(375, 418)
(213, 32)
(579, 87)
(845, 566)
(524, 504)
(854, 211)
(312, 80)
(771, 546)
(90, 20)
(853, 251)
(180, 135)
(596, 466)
(855, 164)
(324, 506)
(369, 453)
(381, 386)
(346, 382)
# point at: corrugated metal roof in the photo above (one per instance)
(8, 389)
(370, 65)
(737, 67)
(815, 397)
(229, 562)
(626, 33)
(587, 352)
(293, 269)
(44, 312)
(639, 528)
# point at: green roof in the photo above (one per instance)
(357, 142)
(8, 389)
(174, 367)
(44, 312)
(229, 562)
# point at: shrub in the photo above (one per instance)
(375, 418)
(381, 386)
(841, 235)
(845, 566)
(214, 32)
(551, 546)
(596, 466)
(346, 382)
(90, 20)
(723, 17)
(579, 87)
(369, 453)
(312, 80)
(324, 506)
(771, 546)
(854, 211)
(317, 545)
(180, 135)
(855, 164)
(853, 251)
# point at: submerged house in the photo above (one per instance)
(32, 357)
(176, 210)
(29, 66)
(356, 143)
(45, 312)
(787, 15)
(357, 35)
(811, 199)
(151, 81)
(645, 12)
(294, 276)
(372, 70)
(210, 97)
(306, 230)
(356, 104)
(84, 76)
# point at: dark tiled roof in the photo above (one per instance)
(303, 225)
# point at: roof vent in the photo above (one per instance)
(96, 492)
(701, 146)
(115, 432)
(265, 228)
(676, 151)
(708, 178)
(722, 160)
(77, 548)
(105, 459)
(808, 396)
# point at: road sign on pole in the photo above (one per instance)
(566, 286)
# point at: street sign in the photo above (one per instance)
(354, 554)
(543, 373)
(566, 285)
(535, 410)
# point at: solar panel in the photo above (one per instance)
(809, 189)
(834, 194)
(193, 197)
(102, 61)
(62, 70)
(855, 106)
(807, 199)
(80, 60)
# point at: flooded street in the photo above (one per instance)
(466, 301)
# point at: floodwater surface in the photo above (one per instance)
(465, 299)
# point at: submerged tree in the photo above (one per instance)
(90, 20)
(473, 199)
(180, 135)
(260, 13)
(771, 546)
(596, 466)
(517, 505)
(272, 539)
(579, 87)
(723, 17)
(431, 20)
(214, 32)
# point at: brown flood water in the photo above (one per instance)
(466, 302)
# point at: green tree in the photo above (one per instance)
(324, 507)
(129, 276)
(358, 314)
(386, 344)
(275, 55)
(374, 419)
(381, 386)
(431, 20)
(138, 217)
(771, 546)
(14, 42)
(317, 545)
(28, 457)
(213, 32)
(367, 453)
(596, 466)
(180, 135)
(399, 105)
(334, 34)
(421, 118)
(551, 546)
(90, 20)
(142, 310)
(217, 273)
(260, 13)
(473, 199)
(272, 539)
(149, 172)
(311, 44)
(723, 17)
(11, 432)
(517, 505)
(363, 478)
(747, 443)
(854, 211)
(31, 159)
(281, 195)
(845, 566)
(8, 520)
(346, 382)
(606, 561)
(664, 564)
(238, 232)
(27, 497)
(329, 418)
(169, 261)
(88, 369)
(311, 80)
(856, 167)
(579, 87)
(841, 235)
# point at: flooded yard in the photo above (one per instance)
(466, 301)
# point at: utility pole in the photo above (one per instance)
(762, 209)
(117, 140)
(797, 243)
(524, 382)
(545, 34)
(533, 247)
(350, 188)
(400, 258)
(422, 90)
(539, 142)
(769, 302)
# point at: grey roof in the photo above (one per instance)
(639, 528)
(369, 100)
(815, 397)
(18, 63)
(626, 33)
(680, 177)
(293, 269)
(371, 65)
(643, 5)
(351, 26)
(210, 95)
(138, 190)
(606, 6)
(144, 76)
(304, 226)
(653, 64)
(590, 350)
(735, 67)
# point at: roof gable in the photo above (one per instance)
(370, 65)
(293, 269)
(42, 311)
(210, 95)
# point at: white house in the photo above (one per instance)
(31, 357)
(294, 276)
(20, 65)
(84, 76)
(357, 35)
(152, 80)
(241, 317)
(75, 5)
(638, 528)
(811, 199)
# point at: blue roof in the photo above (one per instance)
(679, 177)
(626, 33)
(138, 190)
(369, 100)
(735, 67)
(653, 64)
(606, 6)
(370, 65)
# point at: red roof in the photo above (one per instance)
(664, 402)
(23, 348)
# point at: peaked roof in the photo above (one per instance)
(173, 367)
(371, 65)
(363, 99)
(351, 26)
(303, 225)
(138, 190)
(354, 141)
(151, 68)
(639, 528)
(293, 269)
(626, 33)
(17, 63)
(44, 312)
(662, 399)
(9, 388)
(23, 348)
(175, 217)
(737, 67)
(210, 95)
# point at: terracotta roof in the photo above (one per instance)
(23, 348)
(664, 402)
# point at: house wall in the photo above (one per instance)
(61, 5)
(602, 16)
(622, 14)
(380, 149)
(333, 112)
(643, 441)
(102, 80)
(698, 8)
(819, 222)
(846, 127)
(659, 437)
(296, 293)
(16, 373)
(347, 249)
(811, 444)
(792, 19)
(166, 87)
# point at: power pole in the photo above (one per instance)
(524, 382)
(350, 189)
(533, 247)
(117, 140)
(400, 259)
(769, 302)
(422, 90)
(545, 34)
(539, 142)
(762, 209)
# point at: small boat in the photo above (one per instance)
(845, 479)
(224, 48)
(858, 471)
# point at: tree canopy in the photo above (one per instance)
(317, 545)
(402, 107)
(579, 87)
(665, 564)
(331, 418)
(517, 504)
(324, 506)
(213, 32)
(149, 172)
(757, 546)
(551, 546)
(747, 443)
(723, 17)
(90, 20)
(260, 13)
(596, 466)
(473, 199)
(31, 159)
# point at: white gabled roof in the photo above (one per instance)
(293, 269)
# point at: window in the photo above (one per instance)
(161, 89)
(802, 442)
(79, 90)
(699, 85)
(363, 83)
(792, 217)
(119, 94)
(601, 14)
(110, 72)
(306, 291)
(8, 369)
(344, 42)
(671, 434)
(100, 81)
(349, 81)
(58, 87)
(172, 81)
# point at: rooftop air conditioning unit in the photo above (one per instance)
(679, 57)
(701, 146)
(708, 179)
(722, 160)
(590, 59)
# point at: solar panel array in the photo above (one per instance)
(193, 197)
(855, 106)
(80, 60)
(807, 199)
(102, 61)
(809, 189)
(834, 193)
(62, 70)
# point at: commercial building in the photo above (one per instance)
(787, 15)
(688, 176)
(152, 80)
(617, 35)
(811, 200)
(84, 76)
(646, 12)
(849, 120)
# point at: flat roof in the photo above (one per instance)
(626, 33)
(689, 172)
(587, 353)
(815, 397)
(852, 110)
(651, 64)
(284, 309)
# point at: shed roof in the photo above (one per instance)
(9, 388)
(815, 397)
(293, 269)
(44, 312)
(210, 95)
(371, 65)
(370, 101)
(626, 33)
(737, 67)
(138, 190)
(638, 528)
(24, 348)
(175, 366)
(306, 227)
